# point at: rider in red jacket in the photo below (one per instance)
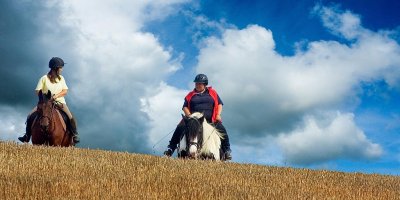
(205, 100)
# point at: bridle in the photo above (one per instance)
(45, 128)
(190, 143)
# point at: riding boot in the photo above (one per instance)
(225, 145)
(29, 121)
(75, 136)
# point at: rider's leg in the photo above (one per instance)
(73, 126)
(225, 145)
(176, 137)
(29, 121)
(75, 136)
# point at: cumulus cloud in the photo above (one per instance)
(342, 23)
(283, 88)
(10, 121)
(20, 39)
(273, 98)
(115, 72)
(259, 150)
(164, 114)
(266, 93)
(317, 141)
(115, 65)
(202, 26)
(111, 64)
(28, 41)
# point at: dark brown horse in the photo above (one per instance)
(48, 127)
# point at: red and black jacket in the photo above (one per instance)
(213, 95)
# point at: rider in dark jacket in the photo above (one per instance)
(205, 100)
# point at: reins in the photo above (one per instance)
(161, 140)
(214, 129)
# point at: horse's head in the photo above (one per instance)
(193, 132)
(45, 108)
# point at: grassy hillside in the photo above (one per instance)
(28, 172)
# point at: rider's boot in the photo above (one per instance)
(228, 155)
(226, 147)
(29, 121)
(176, 137)
(25, 138)
(169, 151)
(75, 136)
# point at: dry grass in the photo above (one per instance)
(28, 172)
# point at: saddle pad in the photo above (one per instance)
(61, 119)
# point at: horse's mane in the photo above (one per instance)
(193, 124)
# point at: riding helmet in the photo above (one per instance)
(201, 78)
(56, 62)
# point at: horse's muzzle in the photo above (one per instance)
(193, 150)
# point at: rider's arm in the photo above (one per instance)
(219, 111)
(61, 94)
(186, 111)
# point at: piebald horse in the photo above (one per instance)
(200, 140)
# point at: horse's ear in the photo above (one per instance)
(201, 120)
(48, 95)
(40, 95)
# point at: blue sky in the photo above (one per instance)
(311, 84)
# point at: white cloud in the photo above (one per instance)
(202, 26)
(346, 24)
(11, 123)
(258, 150)
(114, 64)
(266, 93)
(323, 74)
(164, 115)
(319, 142)
(116, 71)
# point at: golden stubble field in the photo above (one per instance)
(28, 172)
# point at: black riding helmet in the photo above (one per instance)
(201, 78)
(56, 62)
